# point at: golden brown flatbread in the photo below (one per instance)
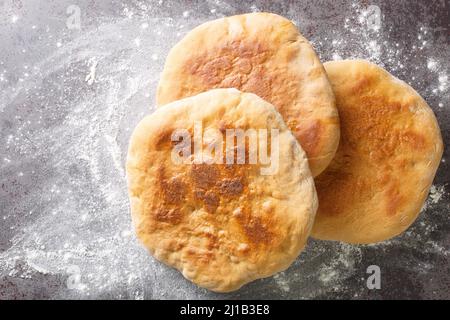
(390, 149)
(261, 53)
(221, 225)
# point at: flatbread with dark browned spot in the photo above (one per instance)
(221, 225)
(261, 53)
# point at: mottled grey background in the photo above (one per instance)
(69, 99)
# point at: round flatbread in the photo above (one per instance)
(261, 53)
(389, 152)
(221, 225)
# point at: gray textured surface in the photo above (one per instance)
(64, 224)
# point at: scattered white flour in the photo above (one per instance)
(341, 266)
(436, 193)
(328, 274)
(90, 78)
(432, 64)
(282, 281)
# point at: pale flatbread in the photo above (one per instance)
(261, 53)
(390, 149)
(220, 225)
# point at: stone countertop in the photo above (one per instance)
(72, 90)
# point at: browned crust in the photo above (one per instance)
(264, 54)
(220, 225)
(390, 149)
